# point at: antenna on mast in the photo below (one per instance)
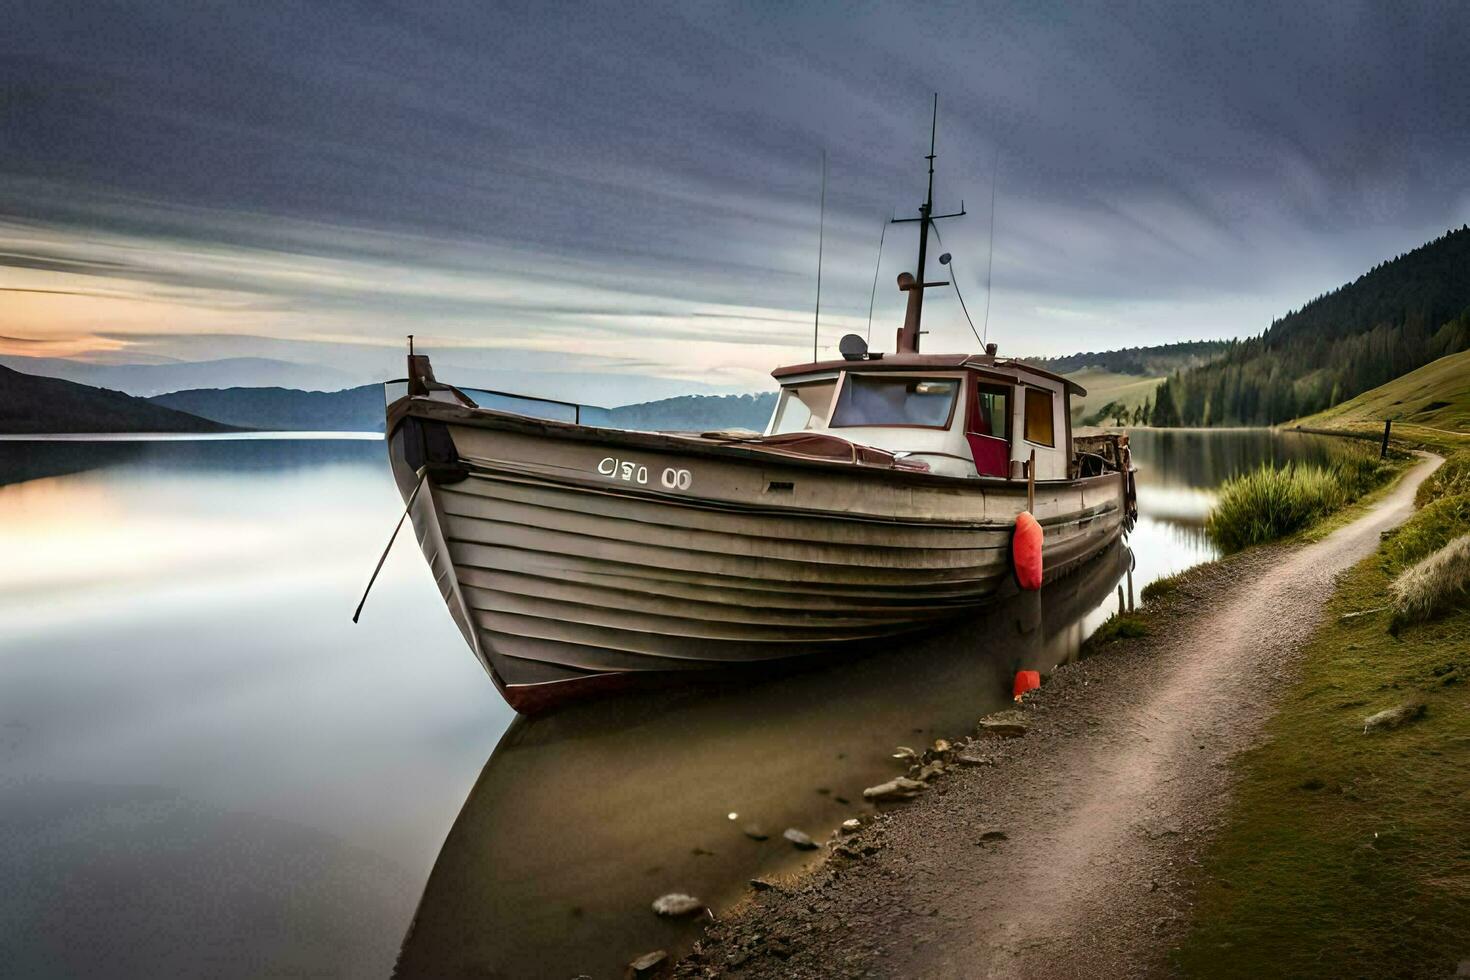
(908, 335)
(821, 235)
(990, 252)
(873, 293)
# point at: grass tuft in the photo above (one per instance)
(1274, 501)
(1436, 525)
(1161, 587)
(1436, 584)
(1450, 480)
(1120, 627)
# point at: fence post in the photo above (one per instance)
(1383, 450)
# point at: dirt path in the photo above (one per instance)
(1102, 805)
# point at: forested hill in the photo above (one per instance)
(1152, 362)
(1399, 316)
(32, 404)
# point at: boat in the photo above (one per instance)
(880, 501)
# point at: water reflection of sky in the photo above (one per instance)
(208, 768)
(176, 643)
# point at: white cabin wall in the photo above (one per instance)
(1052, 462)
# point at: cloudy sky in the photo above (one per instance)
(631, 193)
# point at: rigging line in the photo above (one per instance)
(954, 280)
(821, 235)
(874, 293)
(423, 472)
(990, 252)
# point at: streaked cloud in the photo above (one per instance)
(633, 190)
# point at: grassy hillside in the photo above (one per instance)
(1110, 388)
(1399, 316)
(31, 404)
(1126, 379)
(1436, 395)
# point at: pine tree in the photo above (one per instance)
(1164, 412)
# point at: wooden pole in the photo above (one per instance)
(1383, 450)
(1130, 588)
(1031, 484)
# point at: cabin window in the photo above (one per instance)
(992, 412)
(1039, 417)
(803, 407)
(885, 400)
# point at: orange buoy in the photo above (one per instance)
(1026, 680)
(1026, 551)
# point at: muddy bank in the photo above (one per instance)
(1065, 852)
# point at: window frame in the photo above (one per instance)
(1052, 404)
(787, 391)
(957, 377)
(1007, 393)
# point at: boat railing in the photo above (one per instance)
(505, 401)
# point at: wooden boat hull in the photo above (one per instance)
(575, 558)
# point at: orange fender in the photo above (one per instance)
(1026, 551)
(1026, 680)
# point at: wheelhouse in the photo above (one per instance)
(960, 415)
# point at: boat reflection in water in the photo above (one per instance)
(582, 818)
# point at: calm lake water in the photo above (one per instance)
(206, 769)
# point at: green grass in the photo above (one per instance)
(1161, 587)
(1347, 854)
(1118, 626)
(1435, 526)
(1436, 395)
(1451, 479)
(1275, 501)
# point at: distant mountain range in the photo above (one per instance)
(357, 409)
(698, 413)
(361, 410)
(355, 367)
(153, 379)
(30, 404)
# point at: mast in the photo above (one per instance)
(908, 334)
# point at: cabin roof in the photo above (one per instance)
(931, 362)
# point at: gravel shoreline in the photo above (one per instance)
(1067, 852)
(873, 914)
